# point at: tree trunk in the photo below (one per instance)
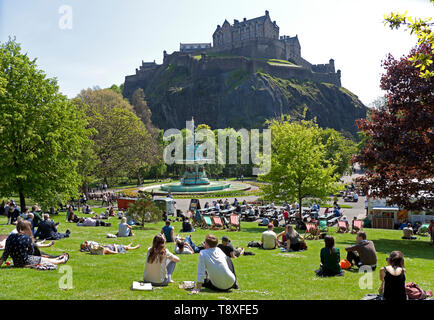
(22, 201)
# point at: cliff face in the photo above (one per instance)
(240, 99)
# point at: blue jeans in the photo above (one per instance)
(190, 242)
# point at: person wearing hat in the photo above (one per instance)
(227, 247)
(269, 238)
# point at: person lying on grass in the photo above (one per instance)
(215, 269)
(330, 258)
(160, 263)
(118, 248)
(107, 249)
(89, 222)
(21, 248)
(186, 245)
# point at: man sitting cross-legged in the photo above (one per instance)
(215, 269)
(363, 252)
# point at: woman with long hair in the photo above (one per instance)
(330, 258)
(393, 278)
(292, 239)
(21, 248)
(160, 263)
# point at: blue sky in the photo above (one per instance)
(110, 38)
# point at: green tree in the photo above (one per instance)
(144, 210)
(339, 150)
(425, 35)
(299, 167)
(121, 141)
(41, 132)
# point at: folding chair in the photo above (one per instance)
(235, 222)
(312, 231)
(342, 225)
(217, 222)
(323, 225)
(357, 226)
(207, 222)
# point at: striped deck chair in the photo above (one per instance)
(342, 227)
(357, 226)
(207, 222)
(312, 231)
(235, 222)
(217, 222)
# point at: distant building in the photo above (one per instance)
(190, 47)
(257, 28)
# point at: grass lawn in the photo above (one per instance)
(267, 275)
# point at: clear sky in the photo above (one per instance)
(110, 38)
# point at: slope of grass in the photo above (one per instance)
(267, 275)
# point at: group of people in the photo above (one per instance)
(215, 269)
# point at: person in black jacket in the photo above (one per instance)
(47, 229)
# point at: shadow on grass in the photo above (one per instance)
(138, 228)
(410, 248)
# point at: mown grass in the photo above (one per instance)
(267, 275)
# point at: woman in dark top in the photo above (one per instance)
(330, 258)
(21, 248)
(393, 278)
(292, 239)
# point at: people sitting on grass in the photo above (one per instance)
(71, 216)
(167, 230)
(293, 239)
(186, 226)
(160, 263)
(408, 233)
(363, 253)
(269, 238)
(124, 230)
(36, 216)
(354, 229)
(347, 225)
(47, 229)
(392, 278)
(229, 250)
(13, 214)
(215, 269)
(330, 258)
(265, 222)
(21, 248)
(90, 222)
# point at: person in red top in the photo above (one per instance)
(286, 216)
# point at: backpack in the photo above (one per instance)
(414, 292)
(254, 244)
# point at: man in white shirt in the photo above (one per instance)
(269, 238)
(215, 269)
